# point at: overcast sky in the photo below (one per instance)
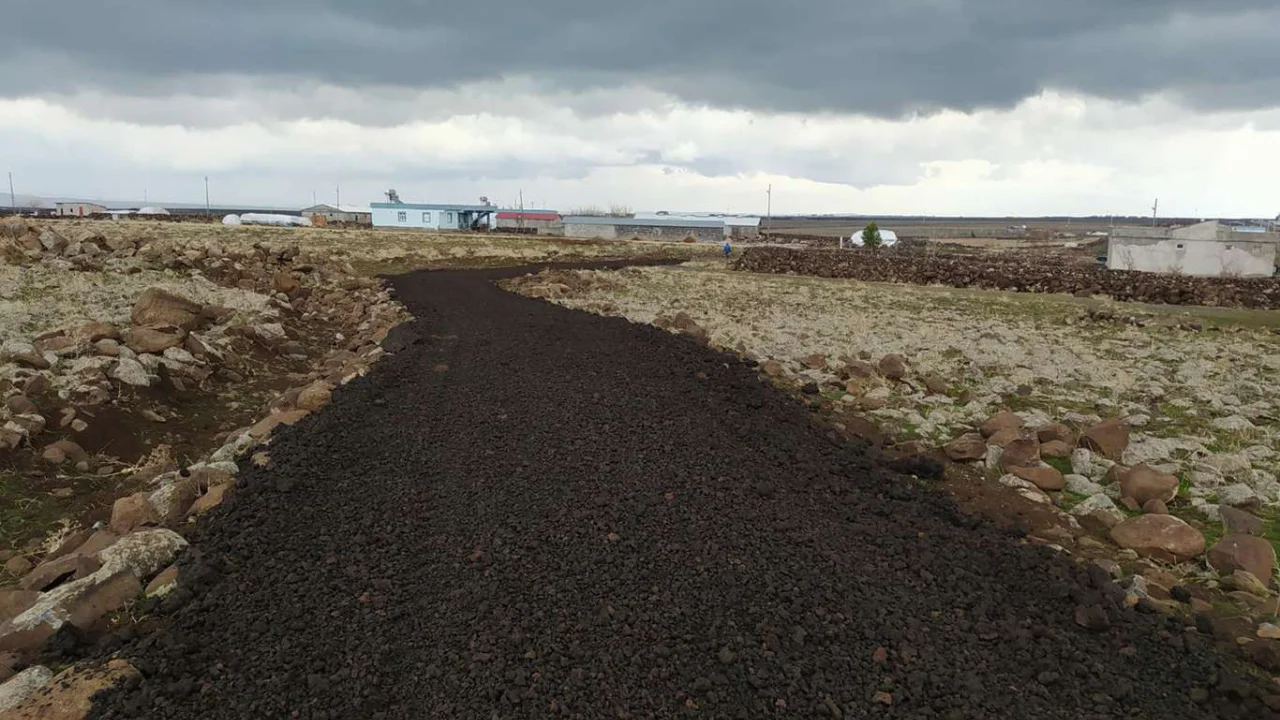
(974, 107)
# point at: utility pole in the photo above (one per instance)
(1155, 207)
(13, 199)
(337, 195)
(144, 197)
(313, 199)
(768, 225)
(207, 211)
(521, 209)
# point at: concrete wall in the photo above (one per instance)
(1186, 256)
(544, 227)
(622, 231)
(349, 217)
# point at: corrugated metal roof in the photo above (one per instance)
(730, 220)
(644, 222)
(433, 206)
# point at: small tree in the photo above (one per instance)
(871, 236)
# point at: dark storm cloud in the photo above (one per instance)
(880, 57)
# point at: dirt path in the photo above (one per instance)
(580, 517)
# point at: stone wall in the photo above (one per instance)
(1020, 273)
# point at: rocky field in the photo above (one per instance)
(1021, 272)
(1122, 404)
(386, 250)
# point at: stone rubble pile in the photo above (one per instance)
(1015, 272)
(319, 312)
(1103, 472)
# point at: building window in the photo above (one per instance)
(1228, 247)
(426, 218)
(402, 217)
(1179, 246)
(449, 218)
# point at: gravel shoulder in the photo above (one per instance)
(525, 511)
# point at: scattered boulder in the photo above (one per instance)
(772, 368)
(1003, 437)
(1024, 452)
(143, 553)
(314, 396)
(1108, 438)
(69, 695)
(1042, 476)
(1055, 449)
(152, 339)
(64, 451)
(1250, 553)
(1238, 495)
(164, 583)
(24, 354)
(1143, 483)
(49, 575)
(264, 427)
(97, 542)
(1243, 581)
(1055, 432)
(814, 361)
(158, 307)
(96, 331)
(969, 446)
(1155, 506)
(860, 369)
(14, 602)
(172, 499)
(209, 500)
(130, 372)
(22, 686)
(1234, 423)
(893, 366)
(936, 384)
(21, 405)
(1003, 420)
(17, 565)
(1240, 522)
(1162, 537)
(132, 512)
(1081, 485)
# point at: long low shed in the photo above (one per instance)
(626, 228)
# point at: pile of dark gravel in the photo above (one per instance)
(585, 518)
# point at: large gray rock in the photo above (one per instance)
(1100, 507)
(1081, 485)
(1238, 495)
(143, 553)
(130, 372)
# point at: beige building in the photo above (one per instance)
(1207, 249)
(79, 209)
(339, 213)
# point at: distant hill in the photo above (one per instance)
(47, 202)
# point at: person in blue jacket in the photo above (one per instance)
(727, 248)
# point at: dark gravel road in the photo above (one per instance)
(579, 517)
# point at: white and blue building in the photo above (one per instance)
(433, 216)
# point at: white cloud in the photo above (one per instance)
(1052, 153)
